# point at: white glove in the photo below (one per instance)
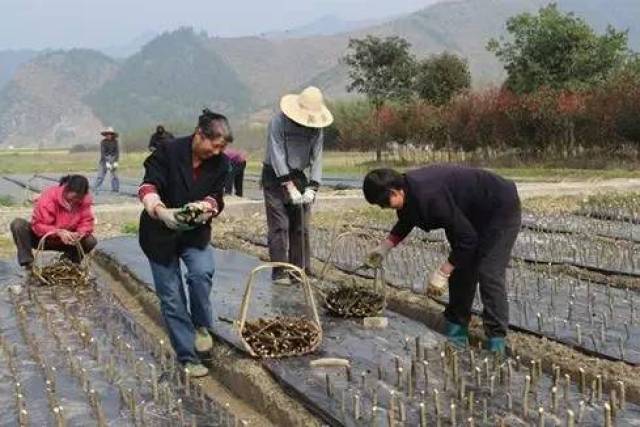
(114, 165)
(109, 167)
(308, 196)
(168, 216)
(376, 257)
(150, 202)
(438, 283)
(294, 195)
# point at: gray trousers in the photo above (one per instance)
(286, 229)
(26, 240)
(489, 272)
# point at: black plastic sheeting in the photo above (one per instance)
(342, 338)
(370, 352)
(602, 320)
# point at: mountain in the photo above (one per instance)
(131, 48)
(11, 60)
(326, 25)
(171, 79)
(42, 105)
(62, 97)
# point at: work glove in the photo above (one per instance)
(294, 195)
(376, 257)
(168, 216)
(150, 202)
(308, 196)
(438, 283)
(114, 166)
(109, 166)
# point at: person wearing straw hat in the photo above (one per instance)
(294, 144)
(109, 156)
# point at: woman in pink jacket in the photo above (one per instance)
(63, 210)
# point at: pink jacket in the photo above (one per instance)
(52, 212)
(235, 155)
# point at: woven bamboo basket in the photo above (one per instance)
(334, 297)
(313, 324)
(39, 268)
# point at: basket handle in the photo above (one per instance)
(41, 244)
(379, 283)
(244, 308)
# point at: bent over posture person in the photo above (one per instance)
(64, 212)
(185, 172)
(294, 144)
(480, 214)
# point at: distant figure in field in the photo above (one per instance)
(62, 211)
(238, 163)
(160, 136)
(109, 156)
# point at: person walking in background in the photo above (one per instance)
(185, 172)
(480, 214)
(238, 163)
(65, 211)
(109, 157)
(294, 144)
(160, 136)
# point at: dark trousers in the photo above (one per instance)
(287, 224)
(26, 240)
(235, 178)
(489, 272)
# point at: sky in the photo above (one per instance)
(38, 24)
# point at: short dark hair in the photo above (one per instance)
(378, 184)
(79, 184)
(215, 125)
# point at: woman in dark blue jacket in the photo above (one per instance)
(480, 214)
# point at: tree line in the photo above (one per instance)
(568, 90)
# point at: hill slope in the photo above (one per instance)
(61, 94)
(42, 105)
(171, 79)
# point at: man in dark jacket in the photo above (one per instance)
(189, 171)
(159, 137)
(109, 157)
(480, 214)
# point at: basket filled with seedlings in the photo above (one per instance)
(280, 336)
(62, 271)
(349, 299)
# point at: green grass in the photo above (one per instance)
(129, 228)
(29, 162)
(6, 200)
(334, 163)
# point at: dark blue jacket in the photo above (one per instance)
(469, 204)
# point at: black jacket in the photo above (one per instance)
(470, 204)
(158, 139)
(170, 170)
(109, 151)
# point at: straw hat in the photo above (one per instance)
(307, 108)
(108, 131)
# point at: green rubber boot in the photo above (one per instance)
(457, 335)
(496, 345)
